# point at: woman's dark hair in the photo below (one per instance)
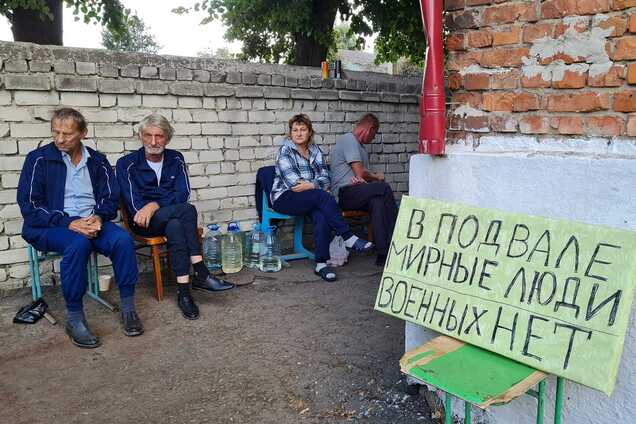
(301, 118)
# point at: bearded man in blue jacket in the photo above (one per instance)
(68, 195)
(156, 189)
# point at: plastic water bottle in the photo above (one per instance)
(270, 253)
(258, 240)
(212, 247)
(232, 250)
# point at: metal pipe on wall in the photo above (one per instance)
(432, 135)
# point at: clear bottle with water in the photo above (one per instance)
(232, 249)
(258, 239)
(212, 247)
(270, 260)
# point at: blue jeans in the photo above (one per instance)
(325, 214)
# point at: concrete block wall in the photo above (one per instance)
(542, 68)
(229, 118)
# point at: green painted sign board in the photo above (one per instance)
(552, 294)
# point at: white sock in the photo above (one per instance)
(320, 265)
(351, 241)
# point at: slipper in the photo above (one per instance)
(327, 274)
(361, 246)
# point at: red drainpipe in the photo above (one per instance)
(432, 104)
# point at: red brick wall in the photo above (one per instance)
(548, 68)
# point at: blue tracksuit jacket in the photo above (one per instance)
(138, 181)
(41, 190)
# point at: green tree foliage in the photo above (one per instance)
(40, 21)
(301, 31)
(136, 38)
(344, 39)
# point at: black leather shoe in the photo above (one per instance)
(188, 308)
(211, 284)
(81, 335)
(132, 324)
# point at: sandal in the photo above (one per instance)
(327, 274)
(361, 246)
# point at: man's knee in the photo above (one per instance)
(78, 245)
(174, 229)
(122, 241)
(188, 211)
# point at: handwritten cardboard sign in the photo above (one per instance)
(552, 294)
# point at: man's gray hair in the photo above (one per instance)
(159, 121)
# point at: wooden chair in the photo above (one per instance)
(156, 252)
(154, 244)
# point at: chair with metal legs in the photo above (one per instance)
(35, 257)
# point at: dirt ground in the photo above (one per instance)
(288, 348)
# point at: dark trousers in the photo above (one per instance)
(376, 198)
(324, 212)
(178, 223)
(112, 241)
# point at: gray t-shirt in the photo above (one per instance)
(346, 150)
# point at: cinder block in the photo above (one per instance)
(184, 74)
(64, 67)
(302, 94)
(130, 71)
(13, 256)
(129, 100)
(249, 92)
(79, 99)
(108, 70)
(30, 130)
(248, 78)
(217, 76)
(201, 75)
(40, 66)
(187, 129)
(232, 116)
(16, 65)
(167, 73)
(150, 100)
(27, 82)
(107, 100)
(205, 116)
(191, 102)
(186, 89)
(86, 68)
(152, 87)
(233, 78)
(149, 72)
(100, 115)
(116, 86)
(10, 180)
(211, 156)
(214, 90)
(113, 131)
(216, 129)
(64, 83)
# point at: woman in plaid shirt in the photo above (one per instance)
(301, 187)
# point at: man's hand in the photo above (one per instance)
(379, 176)
(303, 186)
(95, 221)
(143, 217)
(357, 180)
(83, 227)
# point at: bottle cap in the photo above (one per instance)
(213, 227)
(233, 227)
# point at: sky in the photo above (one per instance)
(178, 34)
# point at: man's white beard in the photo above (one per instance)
(154, 150)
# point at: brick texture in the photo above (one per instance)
(547, 68)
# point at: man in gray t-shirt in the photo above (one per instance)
(357, 188)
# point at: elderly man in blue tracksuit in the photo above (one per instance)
(68, 194)
(155, 188)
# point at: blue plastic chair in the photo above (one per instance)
(36, 256)
(300, 252)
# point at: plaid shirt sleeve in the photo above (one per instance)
(286, 168)
(322, 180)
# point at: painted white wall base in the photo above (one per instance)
(595, 187)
